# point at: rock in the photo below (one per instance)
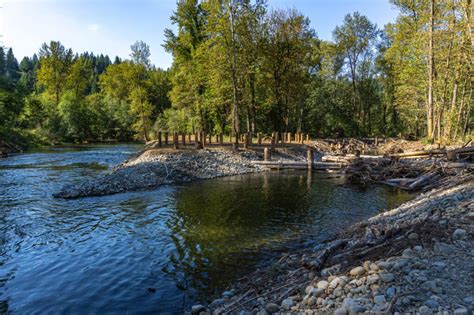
(322, 284)
(316, 292)
(444, 248)
(413, 236)
(469, 299)
(424, 310)
(387, 277)
(196, 309)
(432, 304)
(379, 299)
(439, 265)
(312, 301)
(357, 271)
(385, 265)
(308, 289)
(459, 234)
(408, 253)
(461, 311)
(418, 248)
(217, 303)
(286, 304)
(372, 279)
(390, 292)
(228, 294)
(374, 267)
(272, 308)
(243, 312)
(357, 309)
(340, 311)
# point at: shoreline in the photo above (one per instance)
(393, 262)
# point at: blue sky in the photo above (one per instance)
(111, 26)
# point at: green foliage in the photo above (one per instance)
(239, 67)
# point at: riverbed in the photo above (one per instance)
(160, 250)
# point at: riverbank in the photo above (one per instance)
(414, 258)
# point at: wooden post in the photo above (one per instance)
(273, 141)
(166, 138)
(221, 138)
(266, 154)
(210, 138)
(175, 140)
(259, 138)
(307, 137)
(289, 137)
(277, 137)
(302, 137)
(159, 139)
(246, 141)
(183, 139)
(217, 138)
(250, 138)
(189, 138)
(310, 158)
(283, 137)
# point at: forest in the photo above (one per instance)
(242, 66)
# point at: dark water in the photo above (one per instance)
(103, 254)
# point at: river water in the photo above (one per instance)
(155, 251)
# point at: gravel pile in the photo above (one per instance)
(417, 258)
(157, 167)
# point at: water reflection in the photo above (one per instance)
(101, 254)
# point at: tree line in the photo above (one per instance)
(239, 66)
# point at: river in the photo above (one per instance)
(155, 251)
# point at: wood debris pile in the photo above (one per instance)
(409, 175)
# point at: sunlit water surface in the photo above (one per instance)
(154, 251)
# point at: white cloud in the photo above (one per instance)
(93, 27)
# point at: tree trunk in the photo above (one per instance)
(430, 112)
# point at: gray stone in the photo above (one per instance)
(243, 312)
(308, 289)
(385, 265)
(424, 310)
(316, 292)
(413, 236)
(461, 311)
(408, 253)
(228, 294)
(286, 304)
(444, 248)
(429, 285)
(272, 308)
(387, 277)
(432, 304)
(196, 309)
(357, 309)
(418, 248)
(323, 284)
(459, 234)
(439, 265)
(312, 301)
(372, 279)
(340, 311)
(357, 271)
(390, 292)
(379, 299)
(373, 267)
(217, 303)
(469, 299)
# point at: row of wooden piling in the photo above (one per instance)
(201, 138)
